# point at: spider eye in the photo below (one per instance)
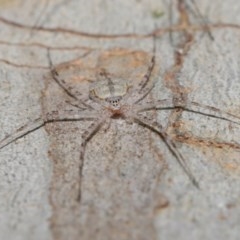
(114, 101)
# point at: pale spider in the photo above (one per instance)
(109, 99)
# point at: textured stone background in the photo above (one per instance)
(133, 188)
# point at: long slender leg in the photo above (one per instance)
(211, 112)
(75, 104)
(157, 128)
(79, 104)
(55, 76)
(22, 131)
(155, 105)
(86, 137)
(203, 19)
(143, 83)
(55, 116)
(144, 93)
(135, 95)
(143, 89)
(194, 107)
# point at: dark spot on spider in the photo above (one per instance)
(115, 102)
(117, 115)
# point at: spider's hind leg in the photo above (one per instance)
(86, 137)
(157, 128)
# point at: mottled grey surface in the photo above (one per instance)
(133, 188)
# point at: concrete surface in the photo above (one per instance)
(132, 186)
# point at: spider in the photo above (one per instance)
(109, 98)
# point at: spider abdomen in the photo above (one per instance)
(107, 89)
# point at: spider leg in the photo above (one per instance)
(157, 128)
(144, 93)
(86, 137)
(75, 104)
(55, 76)
(143, 83)
(210, 112)
(144, 88)
(55, 116)
(203, 20)
(22, 131)
(190, 106)
(80, 104)
(155, 105)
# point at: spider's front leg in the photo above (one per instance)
(81, 104)
(210, 111)
(54, 116)
(155, 105)
(189, 106)
(74, 94)
(144, 87)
